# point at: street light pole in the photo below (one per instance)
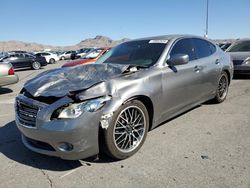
(206, 34)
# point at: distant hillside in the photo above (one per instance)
(98, 41)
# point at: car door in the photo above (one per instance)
(23, 61)
(29, 59)
(67, 54)
(14, 60)
(209, 65)
(180, 83)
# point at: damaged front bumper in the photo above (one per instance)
(70, 139)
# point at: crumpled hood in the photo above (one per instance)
(60, 82)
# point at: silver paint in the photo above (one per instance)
(169, 92)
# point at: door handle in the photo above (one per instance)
(217, 61)
(197, 68)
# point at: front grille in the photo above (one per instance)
(26, 113)
(237, 62)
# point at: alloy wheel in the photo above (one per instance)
(223, 87)
(129, 129)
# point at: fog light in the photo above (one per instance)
(65, 146)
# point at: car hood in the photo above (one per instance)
(63, 81)
(78, 62)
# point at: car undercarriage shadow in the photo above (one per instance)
(241, 77)
(27, 69)
(11, 146)
(175, 117)
(5, 90)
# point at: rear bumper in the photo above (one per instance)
(7, 80)
(43, 63)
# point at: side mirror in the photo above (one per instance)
(178, 59)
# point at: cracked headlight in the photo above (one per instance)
(75, 110)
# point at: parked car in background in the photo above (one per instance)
(17, 51)
(66, 55)
(225, 46)
(240, 54)
(7, 74)
(50, 57)
(2, 54)
(111, 104)
(91, 57)
(25, 60)
(81, 53)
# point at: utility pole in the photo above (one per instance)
(206, 33)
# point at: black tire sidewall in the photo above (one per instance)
(52, 61)
(110, 148)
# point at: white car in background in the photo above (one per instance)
(50, 57)
(84, 51)
(66, 55)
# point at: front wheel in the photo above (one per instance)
(128, 130)
(222, 89)
(36, 65)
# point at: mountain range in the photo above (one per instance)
(98, 41)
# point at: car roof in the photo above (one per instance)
(243, 40)
(166, 37)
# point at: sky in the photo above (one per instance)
(67, 22)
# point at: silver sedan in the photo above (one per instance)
(7, 74)
(240, 54)
(75, 112)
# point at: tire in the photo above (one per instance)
(127, 131)
(52, 61)
(62, 58)
(36, 65)
(222, 89)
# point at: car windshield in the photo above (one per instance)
(139, 53)
(241, 46)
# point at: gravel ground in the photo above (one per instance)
(208, 146)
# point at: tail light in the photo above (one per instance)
(11, 71)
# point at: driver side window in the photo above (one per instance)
(184, 46)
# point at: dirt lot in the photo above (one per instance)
(208, 146)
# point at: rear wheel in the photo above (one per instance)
(128, 130)
(222, 90)
(36, 65)
(52, 61)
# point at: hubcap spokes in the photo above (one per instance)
(222, 89)
(129, 129)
